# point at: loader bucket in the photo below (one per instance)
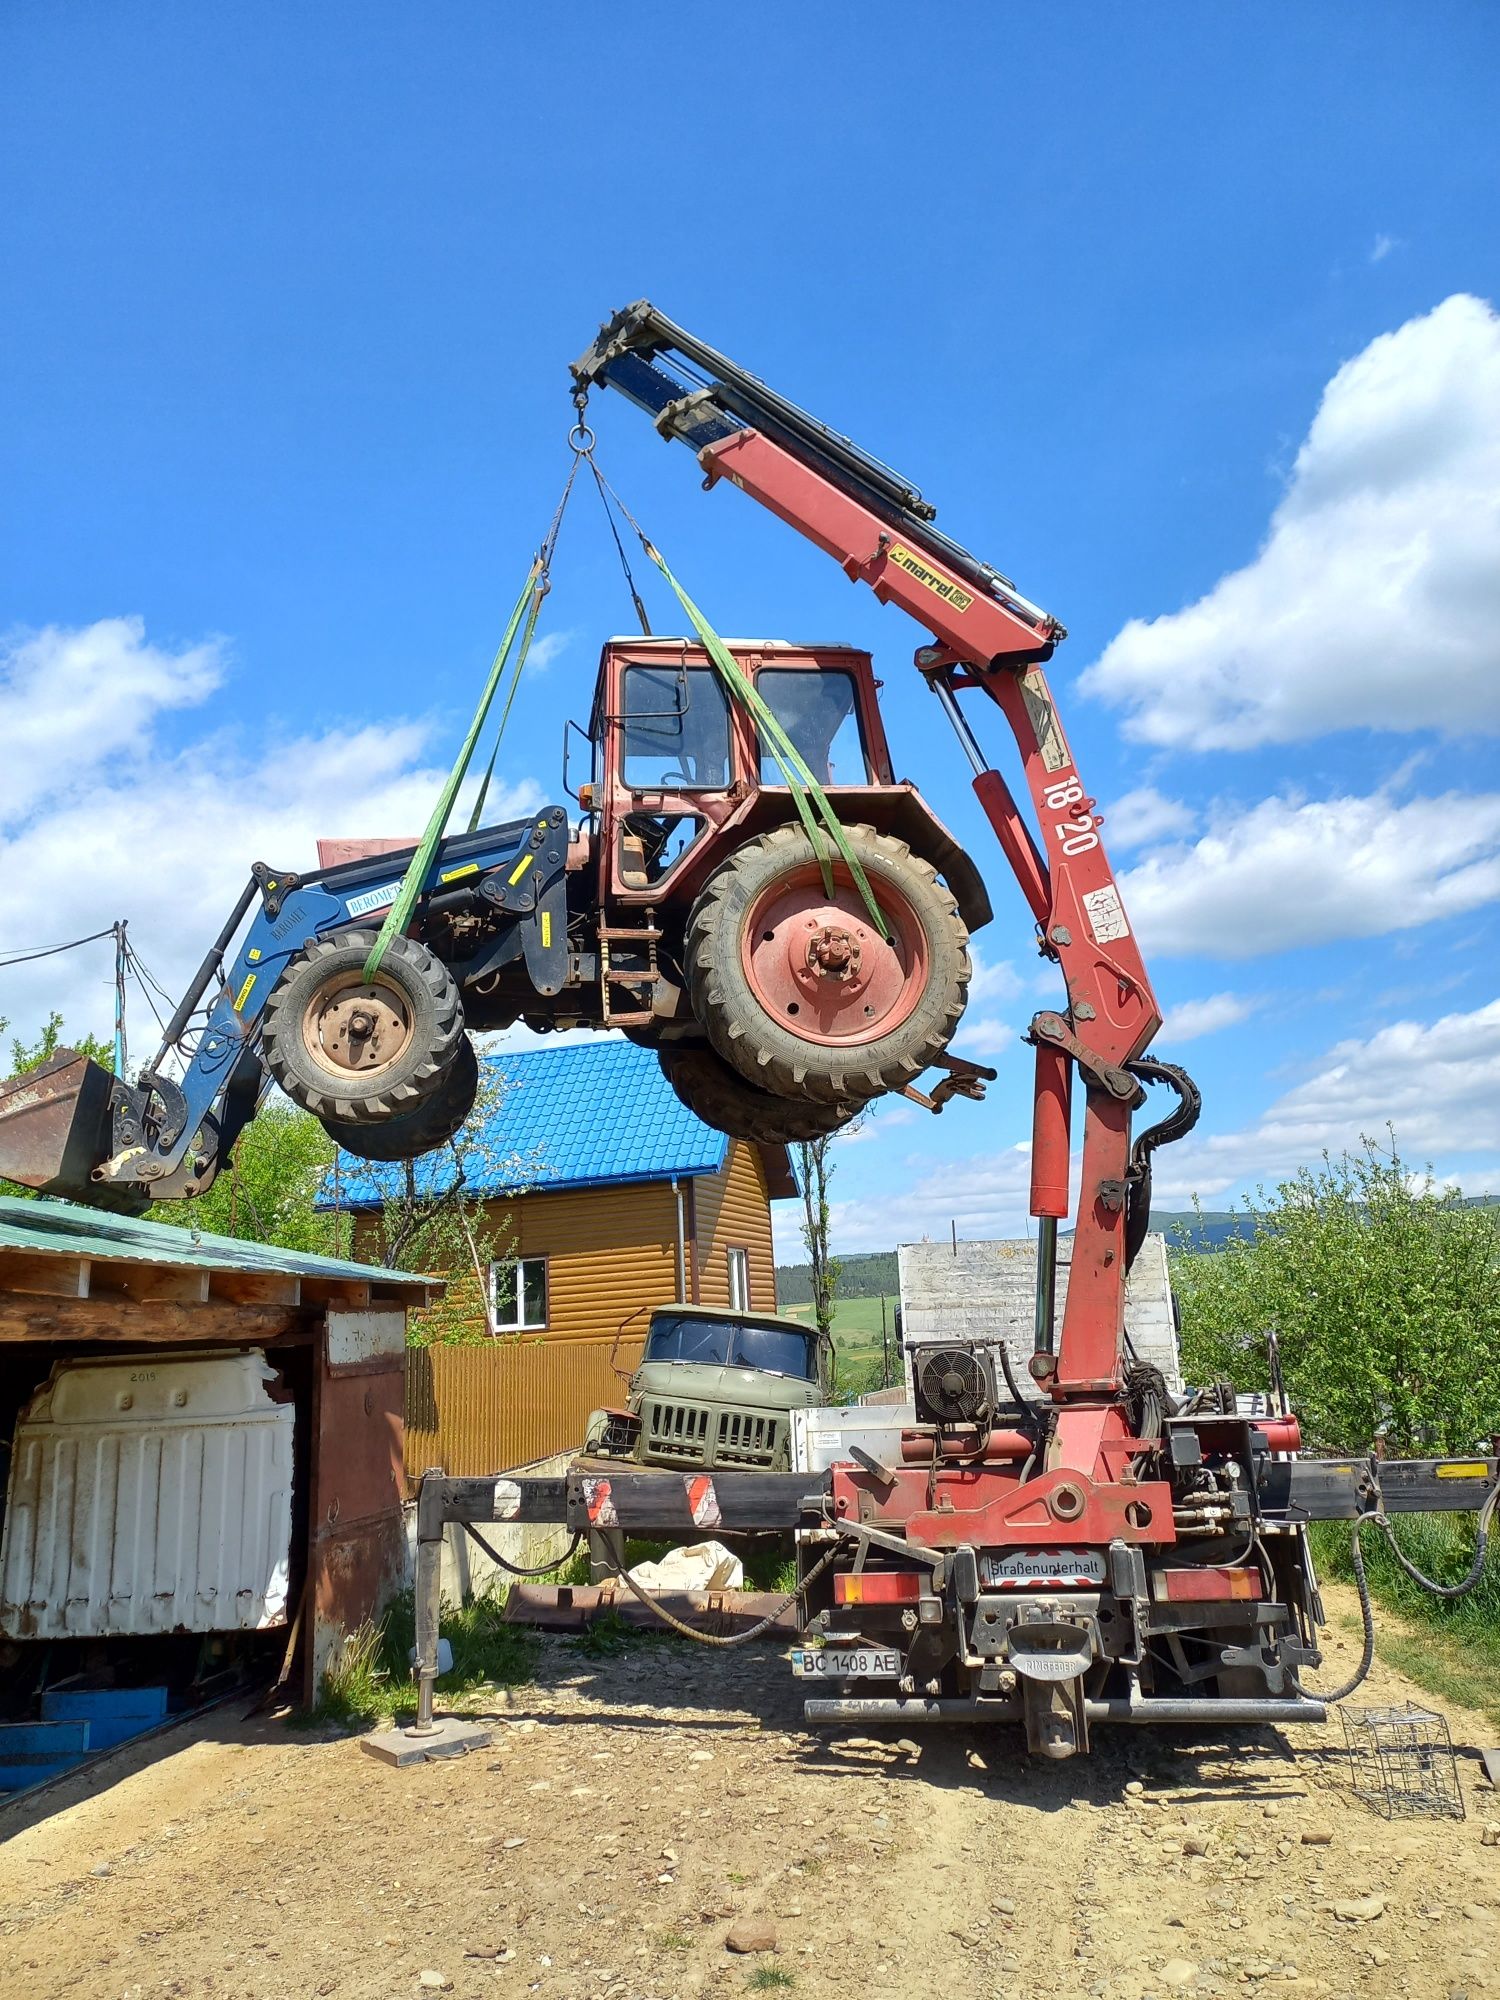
(54, 1125)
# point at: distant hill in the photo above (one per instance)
(868, 1277)
(1209, 1229)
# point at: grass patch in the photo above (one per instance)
(768, 1979)
(673, 1941)
(1457, 1652)
(371, 1675)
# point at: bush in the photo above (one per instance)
(1384, 1294)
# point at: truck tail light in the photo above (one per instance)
(878, 1586)
(1205, 1586)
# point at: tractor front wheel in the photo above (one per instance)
(359, 1051)
(431, 1125)
(796, 987)
(721, 1097)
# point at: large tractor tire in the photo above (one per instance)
(798, 990)
(358, 1053)
(721, 1097)
(421, 1131)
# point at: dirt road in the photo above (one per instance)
(635, 1811)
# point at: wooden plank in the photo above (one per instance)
(335, 1292)
(54, 1277)
(255, 1288)
(142, 1281)
(149, 1325)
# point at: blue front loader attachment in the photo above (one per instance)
(72, 1129)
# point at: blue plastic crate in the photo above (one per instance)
(32, 1751)
(114, 1715)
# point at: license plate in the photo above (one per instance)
(1042, 1566)
(847, 1663)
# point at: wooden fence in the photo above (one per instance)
(477, 1409)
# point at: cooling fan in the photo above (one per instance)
(954, 1385)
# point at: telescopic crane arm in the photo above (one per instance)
(986, 635)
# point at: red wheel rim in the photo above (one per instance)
(820, 968)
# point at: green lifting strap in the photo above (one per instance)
(528, 605)
(808, 795)
(399, 914)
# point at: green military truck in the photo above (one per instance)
(715, 1390)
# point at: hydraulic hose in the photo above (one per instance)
(514, 1569)
(1476, 1568)
(1367, 1617)
(731, 1638)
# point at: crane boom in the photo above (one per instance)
(985, 635)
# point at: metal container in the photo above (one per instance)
(150, 1493)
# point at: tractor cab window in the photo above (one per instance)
(820, 712)
(676, 730)
(728, 1343)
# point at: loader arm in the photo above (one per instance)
(986, 635)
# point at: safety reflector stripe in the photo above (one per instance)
(703, 1501)
(600, 1503)
(520, 869)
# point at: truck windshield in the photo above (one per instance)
(726, 1343)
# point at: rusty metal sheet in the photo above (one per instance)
(569, 1607)
(54, 1124)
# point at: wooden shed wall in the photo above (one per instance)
(734, 1210)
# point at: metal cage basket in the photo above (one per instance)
(1401, 1762)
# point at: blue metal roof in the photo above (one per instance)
(595, 1114)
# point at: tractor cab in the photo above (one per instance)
(677, 761)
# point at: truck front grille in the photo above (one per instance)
(677, 1430)
(746, 1439)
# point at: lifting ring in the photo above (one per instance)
(581, 439)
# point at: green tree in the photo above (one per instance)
(815, 1170)
(1383, 1291)
(268, 1191)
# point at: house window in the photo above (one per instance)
(739, 1280)
(518, 1293)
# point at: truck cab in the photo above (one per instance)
(715, 1390)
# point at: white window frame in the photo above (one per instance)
(520, 1323)
(738, 1260)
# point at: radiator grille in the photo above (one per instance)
(677, 1430)
(746, 1439)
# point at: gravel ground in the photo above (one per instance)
(636, 1815)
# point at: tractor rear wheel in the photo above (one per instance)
(721, 1097)
(362, 1052)
(421, 1131)
(796, 987)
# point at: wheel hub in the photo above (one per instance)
(818, 965)
(356, 1028)
(834, 952)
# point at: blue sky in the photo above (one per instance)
(1145, 300)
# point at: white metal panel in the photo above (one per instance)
(825, 1437)
(149, 1493)
(986, 1291)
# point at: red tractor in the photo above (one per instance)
(698, 907)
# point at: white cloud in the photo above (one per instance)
(1192, 1018)
(72, 702)
(551, 646)
(1437, 1087)
(1288, 873)
(163, 837)
(1375, 600)
(1382, 247)
(1145, 815)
